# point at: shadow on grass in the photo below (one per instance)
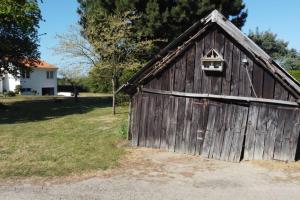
(35, 110)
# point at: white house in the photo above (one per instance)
(39, 80)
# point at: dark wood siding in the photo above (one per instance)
(185, 73)
(222, 129)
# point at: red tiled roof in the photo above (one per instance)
(40, 64)
(36, 64)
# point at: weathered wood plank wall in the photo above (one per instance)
(189, 77)
(215, 129)
(211, 128)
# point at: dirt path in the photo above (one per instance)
(151, 174)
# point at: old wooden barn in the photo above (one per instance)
(214, 92)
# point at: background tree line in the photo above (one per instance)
(116, 37)
(162, 21)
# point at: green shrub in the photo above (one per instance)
(122, 99)
(18, 89)
(123, 130)
(9, 94)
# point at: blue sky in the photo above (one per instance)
(281, 17)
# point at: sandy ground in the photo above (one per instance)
(153, 174)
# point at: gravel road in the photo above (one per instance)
(153, 174)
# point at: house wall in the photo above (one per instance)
(226, 130)
(38, 80)
(9, 83)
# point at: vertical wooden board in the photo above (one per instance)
(279, 135)
(164, 123)
(251, 132)
(292, 98)
(234, 89)
(198, 70)
(130, 119)
(135, 121)
(268, 87)
(187, 125)
(179, 141)
(209, 133)
(190, 69)
(133, 117)
(143, 120)
(257, 80)
(280, 93)
(290, 134)
(198, 126)
(172, 123)
(240, 129)
(219, 132)
(165, 79)
(216, 78)
(180, 74)
(295, 138)
(226, 82)
(150, 119)
(250, 71)
(171, 73)
(261, 131)
(153, 83)
(215, 129)
(194, 126)
(270, 136)
(203, 125)
(244, 83)
(228, 135)
(206, 78)
(157, 120)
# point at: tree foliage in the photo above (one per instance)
(164, 18)
(111, 46)
(19, 23)
(277, 48)
(114, 39)
(76, 50)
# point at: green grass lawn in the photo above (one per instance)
(57, 137)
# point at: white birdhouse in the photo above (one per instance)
(212, 61)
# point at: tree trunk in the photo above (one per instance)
(75, 93)
(113, 80)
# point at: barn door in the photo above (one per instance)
(190, 125)
(225, 131)
(198, 126)
(272, 133)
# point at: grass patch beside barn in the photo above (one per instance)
(57, 137)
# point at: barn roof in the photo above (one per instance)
(181, 43)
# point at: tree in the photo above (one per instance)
(113, 37)
(76, 49)
(163, 18)
(276, 48)
(19, 23)
(72, 75)
(78, 57)
(111, 48)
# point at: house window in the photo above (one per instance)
(26, 74)
(50, 74)
(26, 90)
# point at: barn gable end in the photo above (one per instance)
(249, 79)
(248, 110)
